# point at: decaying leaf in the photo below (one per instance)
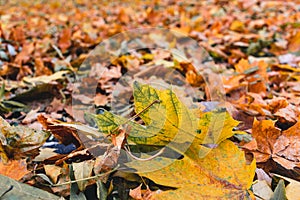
(14, 169)
(53, 172)
(140, 194)
(83, 170)
(272, 143)
(64, 134)
(18, 141)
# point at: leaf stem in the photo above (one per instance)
(85, 179)
(137, 114)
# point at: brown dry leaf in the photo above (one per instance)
(107, 161)
(258, 81)
(65, 135)
(255, 74)
(242, 65)
(110, 158)
(270, 143)
(53, 172)
(19, 141)
(265, 134)
(63, 190)
(139, 194)
(294, 42)
(17, 34)
(191, 74)
(287, 147)
(123, 16)
(277, 103)
(24, 55)
(40, 68)
(23, 72)
(15, 169)
(31, 116)
(55, 105)
(83, 98)
(100, 99)
(83, 170)
(136, 193)
(232, 82)
(118, 140)
(252, 104)
(289, 113)
(64, 41)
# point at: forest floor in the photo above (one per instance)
(150, 99)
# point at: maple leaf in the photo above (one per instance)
(221, 174)
(272, 143)
(169, 121)
(216, 168)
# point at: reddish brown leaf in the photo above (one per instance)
(64, 41)
(15, 169)
(64, 134)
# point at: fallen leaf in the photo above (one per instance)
(292, 189)
(272, 143)
(24, 55)
(11, 189)
(40, 67)
(83, 170)
(208, 146)
(287, 147)
(19, 141)
(14, 169)
(139, 194)
(66, 135)
(136, 193)
(64, 41)
(294, 42)
(31, 116)
(237, 26)
(221, 174)
(53, 172)
(262, 190)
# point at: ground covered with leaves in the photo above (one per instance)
(125, 120)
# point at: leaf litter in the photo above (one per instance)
(255, 45)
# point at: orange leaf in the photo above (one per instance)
(242, 65)
(136, 193)
(64, 41)
(265, 134)
(40, 68)
(294, 42)
(15, 169)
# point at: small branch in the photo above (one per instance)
(85, 179)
